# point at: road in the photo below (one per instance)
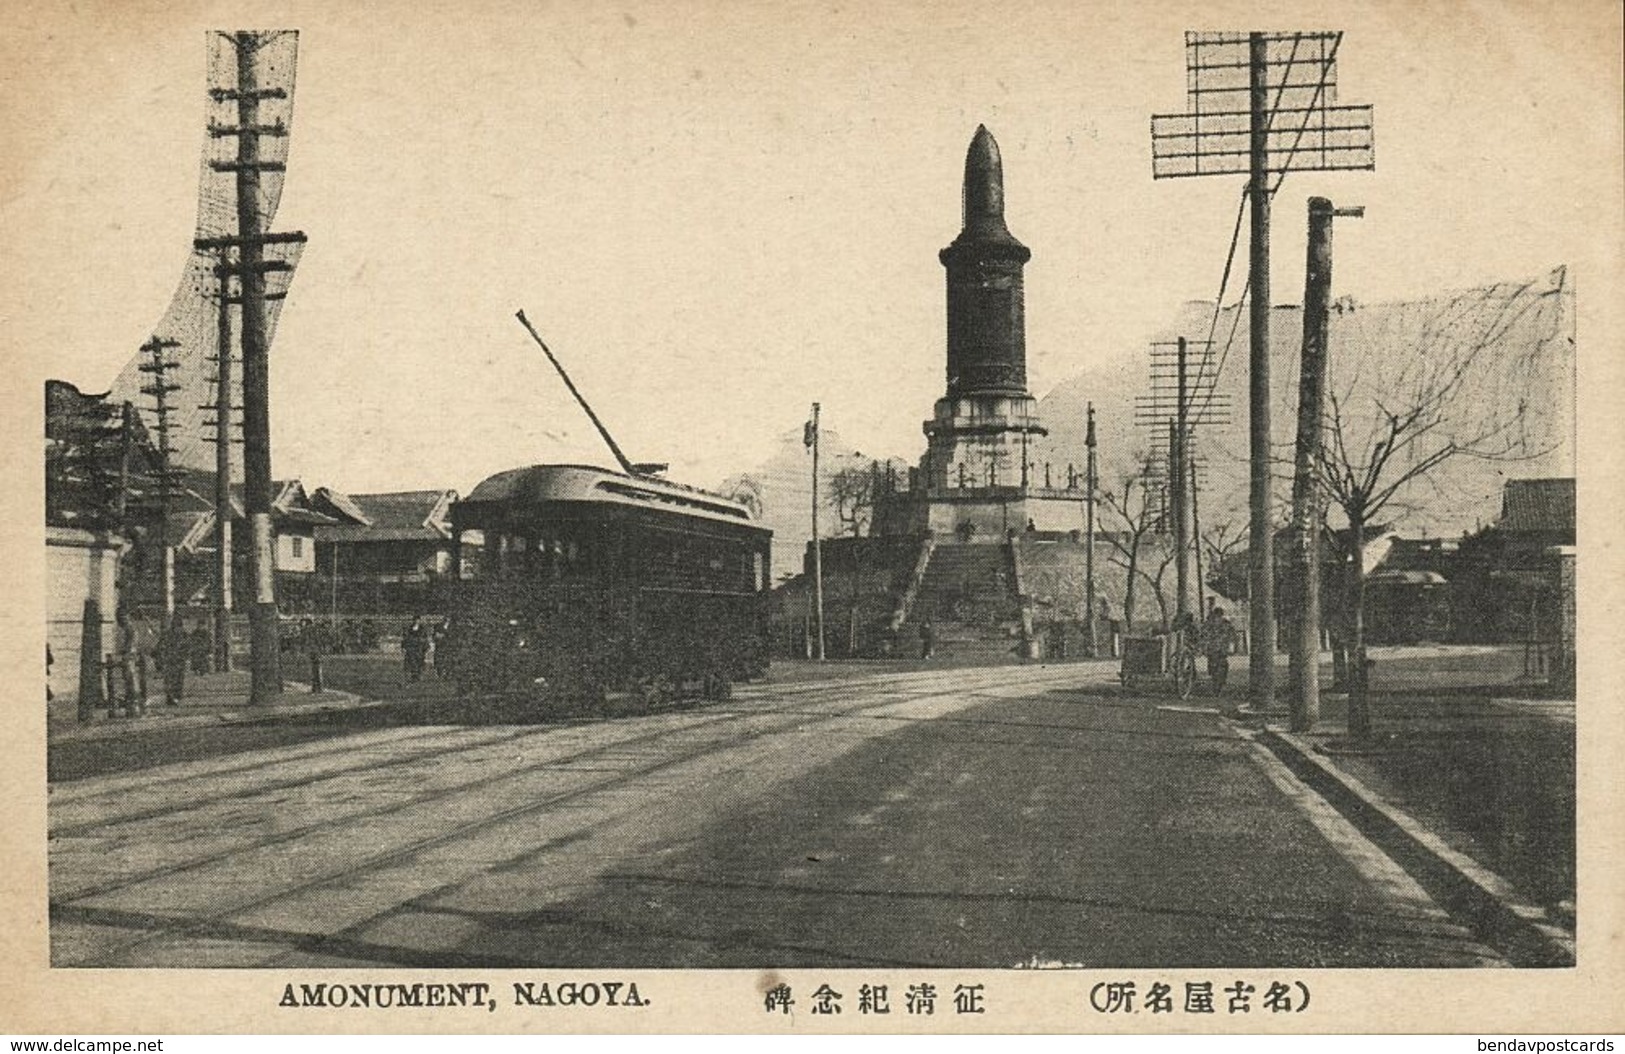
(1017, 816)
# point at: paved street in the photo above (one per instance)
(988, 817)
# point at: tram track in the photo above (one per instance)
(777, 721)
(385, 810)
(178, 783)
(183, 789)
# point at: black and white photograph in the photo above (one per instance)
(708, 516)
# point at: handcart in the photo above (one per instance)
(1166, 658)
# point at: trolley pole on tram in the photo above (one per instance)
(818, 561)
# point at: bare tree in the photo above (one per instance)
(1219, 541)
(1402, 410)
(1137, 515)
(852, 494)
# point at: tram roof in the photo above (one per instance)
(588, 483)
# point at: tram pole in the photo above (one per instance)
(818, 561)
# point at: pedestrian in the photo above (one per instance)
(1218, 637)
(313, 637)
(928, 638)
(415, 648)
(201, 648)
(132, 674)
(443, 658)
(172, 660)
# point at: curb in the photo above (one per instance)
(161, 721)
(1483, 900)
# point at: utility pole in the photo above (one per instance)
(1181, 477)
(1178, 404)
(1196, 542)
(251, 267)
(159, 389)
(1089, 534)
(811, 439)
(223, 439)
(1260, 535)
(1306, 494)
(126, 451)
(265, 663)
(1213, 136)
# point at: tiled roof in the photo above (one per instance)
(341, 503)
(1538, 505)
(408, 508)
(411, 515)
(355, 532)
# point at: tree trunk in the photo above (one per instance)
(1359, 716)
(1128, 595)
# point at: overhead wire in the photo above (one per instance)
(1218, 304)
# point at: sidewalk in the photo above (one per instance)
(210, 699)
(1465, 780)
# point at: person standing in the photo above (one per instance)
(443, 659)
(1218, 637)
(127, 644)
(173, 654)
(928, 638)
(314, 639)
(202, 648)
(415, 648)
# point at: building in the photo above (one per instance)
(386, 553)
(1510, 575)
(293, 522)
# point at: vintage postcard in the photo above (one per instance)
(780, 517)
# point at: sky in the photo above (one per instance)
(718, 213)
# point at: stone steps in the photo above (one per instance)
(966, 592)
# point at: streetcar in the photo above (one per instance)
(590, 585)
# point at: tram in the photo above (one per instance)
(591, 583)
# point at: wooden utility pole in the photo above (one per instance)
(251, 267)
(1180, 478)
(1288, 122)
(222, 472)
(265, 661)
(1306, 495)
(1180, 401)
(1260, 537)
(159, 388)
(126, 452)
(812, 438)
(1196, 541)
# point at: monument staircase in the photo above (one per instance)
(968, 592)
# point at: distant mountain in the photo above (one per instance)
(1514, 339)
(1517, 337)
(780, 489)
